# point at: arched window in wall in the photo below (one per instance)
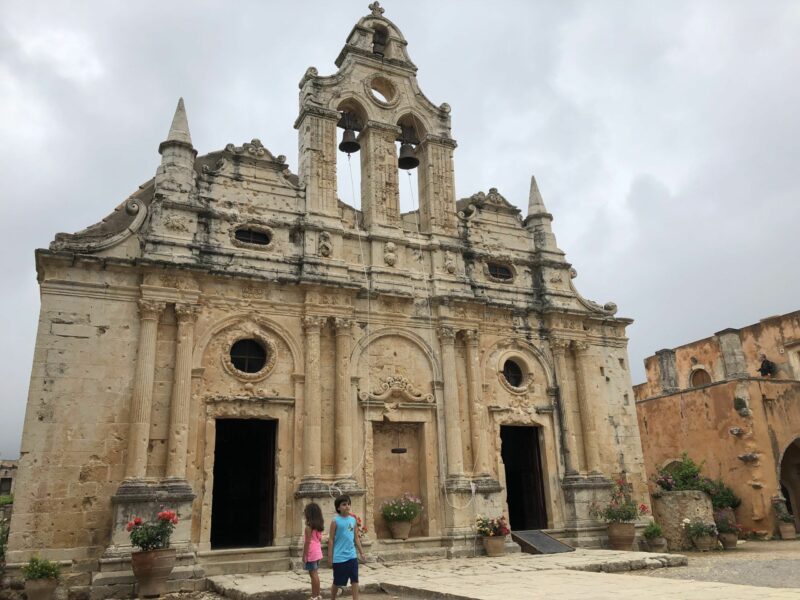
(700, 377)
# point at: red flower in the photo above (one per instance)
(130, 525)
(137, 520)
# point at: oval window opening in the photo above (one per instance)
(500, 271)
(248, 356)
(252, 236)
(513, 373)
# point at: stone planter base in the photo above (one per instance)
(787, 530)
(400, 529)
(621, 535)
(494, 545)
(40, 589)
(728, 540)
(658, 544)
(151, 570)
(704, 543)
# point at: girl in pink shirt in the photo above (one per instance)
(312, 546)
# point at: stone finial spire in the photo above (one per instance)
(535, 202)
(179, 130)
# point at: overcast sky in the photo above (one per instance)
(664, 136)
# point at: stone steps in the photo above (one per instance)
(255, 560)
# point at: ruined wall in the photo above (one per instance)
(744, 448)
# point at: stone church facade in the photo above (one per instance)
(234, 341)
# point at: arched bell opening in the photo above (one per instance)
(408, 160)
(348, 164)
(380, 40)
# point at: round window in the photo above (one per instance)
(513, 373)
(248, 356)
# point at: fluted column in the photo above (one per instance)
(455, 459)
(570, 437)
(588, 420)
(477, 420)
(343, 413)
(181, 392)
(142, 398)
(312, 430)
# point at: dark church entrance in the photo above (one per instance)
(244, 484)
(524, 478)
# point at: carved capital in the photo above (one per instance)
(446, 334)
(471, 336)
(312, 323)
(151, 309)
(343, 325)
(186, 313)
(580, 347)
(559, 346)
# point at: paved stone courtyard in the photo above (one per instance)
(584, 574)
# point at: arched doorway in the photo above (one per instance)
(790, 479)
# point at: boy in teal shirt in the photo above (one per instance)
(342, 544)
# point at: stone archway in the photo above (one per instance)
(790, 478)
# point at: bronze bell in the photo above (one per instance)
(349, 143)
(408, 159)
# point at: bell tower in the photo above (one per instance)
(376, 102)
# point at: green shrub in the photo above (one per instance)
(653, 530)
(3, 543)
(722, 496)
(681, 476)
(6, 499)
(39, 568)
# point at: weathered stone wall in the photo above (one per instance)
(671, 508)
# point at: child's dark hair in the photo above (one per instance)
(338, 502)
(313, 514)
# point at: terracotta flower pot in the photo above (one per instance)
(657, 544)
(704, 543)
(151, 569)
(729, 540)
(621, 535)
(495, 545)
(787, 530)
(40, 589)
(400, 529)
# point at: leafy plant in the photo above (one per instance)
(722, 496)
(697, 528)
(405, 508)
(39, 568)
(491, 527)
(653, 530)
(621, 508)
(682, 475)
(155, 534)
(3, 543)
(779, 505)
(6, 499)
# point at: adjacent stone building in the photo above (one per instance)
(234, 341)
(732, 401)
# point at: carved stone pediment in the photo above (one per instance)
(396, 387)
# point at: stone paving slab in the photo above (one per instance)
(583, 574)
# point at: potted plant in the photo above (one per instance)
(656, 542)
(728, 531)
(155, 560)
(41, 578)
(785, 519)
(620, 513)
(493, 533)
(702, 534)
(399, 512)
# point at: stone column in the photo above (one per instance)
(343, 413)
(437, 194)
(312, 428)
(588, 418)
(380, 194)
(317, 169)
(477, 420)
(181, 392)
(142, 398)
(570, 438)
(455, 458)
(667, 371)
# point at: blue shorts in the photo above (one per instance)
(345, 570)
(312, 565)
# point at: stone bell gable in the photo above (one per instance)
(234, 341)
